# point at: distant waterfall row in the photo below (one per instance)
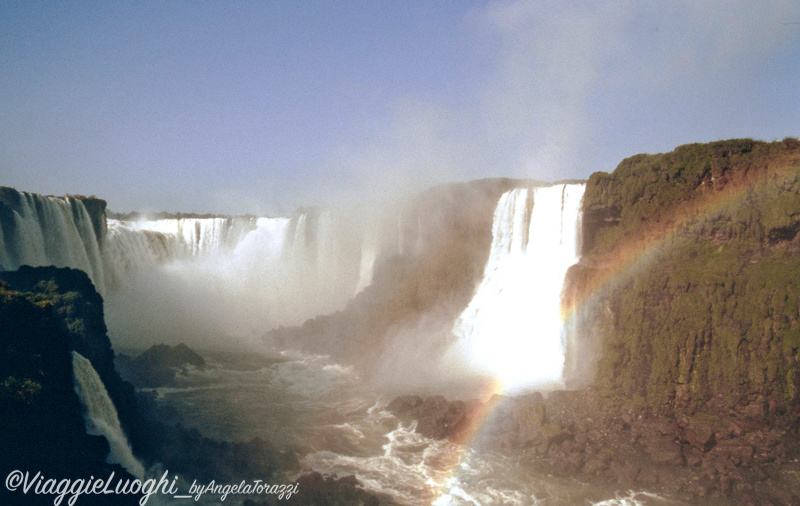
(131, 246)
(512, 328)
(46, 230)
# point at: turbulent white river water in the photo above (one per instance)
(341, 428)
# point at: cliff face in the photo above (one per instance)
(688, 287)
(76, 309)
(40, 413)
(684, 334)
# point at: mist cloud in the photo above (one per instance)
(573, 87)
(565, 68)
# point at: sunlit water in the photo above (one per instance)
(341, 428)
(101, 414)
(512, 328)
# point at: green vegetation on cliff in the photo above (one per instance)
(40, 414)
(647, 194)
(78, 311)
(691, 277)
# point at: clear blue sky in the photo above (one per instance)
(233, 107)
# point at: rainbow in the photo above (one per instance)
(634, 254)
(492, 392)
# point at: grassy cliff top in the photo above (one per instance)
(650, 195)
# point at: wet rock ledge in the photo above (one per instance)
(703, 458)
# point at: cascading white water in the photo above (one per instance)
(101, 415)
(128, 250)
(288, 269)
(201, 236)
(513, 329)
(265, 243)
(52, 231)
(316, 268)
(282, 263)
(131, 247)
(369, 253)
(320, 262)
(235, 277)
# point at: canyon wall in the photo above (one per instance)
(689, 278)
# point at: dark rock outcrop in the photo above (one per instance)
(436, 417)
(78, 310)
(40, 413)
(158, 365)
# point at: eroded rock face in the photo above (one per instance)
(684, 310)
(436, 417)
(579, 434)
(686, 296)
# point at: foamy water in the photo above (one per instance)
(341, 428)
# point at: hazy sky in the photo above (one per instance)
(233, 107)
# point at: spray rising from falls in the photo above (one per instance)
(512, 328)
(101, 415)
(233, 277)
(247, 272)
(132, 247)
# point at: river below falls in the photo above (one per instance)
(340, 427)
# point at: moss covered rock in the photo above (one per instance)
(690, 280)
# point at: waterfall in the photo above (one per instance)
(321, 261)
(128, 249)
(46, 230)
(264, 244)
(201, 236)
(131, 247)
(369, 253)
(513, 329)
(312, 248)
(248, 273)
(101, 415)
